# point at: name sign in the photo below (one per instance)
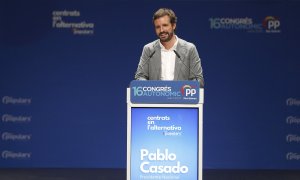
(164, 143)
(164, 92)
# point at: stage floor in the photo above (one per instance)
(120, 174)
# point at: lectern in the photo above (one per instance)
(164, 130)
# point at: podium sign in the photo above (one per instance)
(164, 92)
(165, 143)
(164, 133)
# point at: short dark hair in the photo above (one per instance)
(165, 12)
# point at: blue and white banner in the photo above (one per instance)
(164, 143)
(65, 66)
(164, 92)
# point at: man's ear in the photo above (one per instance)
(174, 26)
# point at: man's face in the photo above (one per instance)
(164, 29)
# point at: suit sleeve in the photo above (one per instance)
(195, 65)
(142, 72)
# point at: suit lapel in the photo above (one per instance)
(178, 64)
(157, 58)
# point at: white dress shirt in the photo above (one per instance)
(168, 61)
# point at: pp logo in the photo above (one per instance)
(271, 23)
(188, 90)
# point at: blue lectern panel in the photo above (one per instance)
(164, 92)
(164, 143)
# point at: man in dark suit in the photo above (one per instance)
(169, 57)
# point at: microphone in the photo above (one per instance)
(185, 64)
(146, 61)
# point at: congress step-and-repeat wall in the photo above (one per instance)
(65, 67)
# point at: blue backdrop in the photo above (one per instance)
(65, 67)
